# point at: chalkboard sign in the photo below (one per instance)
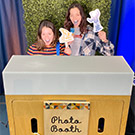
(66, 117)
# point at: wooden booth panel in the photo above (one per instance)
(24, 112)
(111, 110)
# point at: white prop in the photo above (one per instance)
(66, 36)
(95, 20)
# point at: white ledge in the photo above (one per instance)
(67, 75)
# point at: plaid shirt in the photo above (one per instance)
(91, 43)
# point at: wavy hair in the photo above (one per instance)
(40, 44)
(83, 24)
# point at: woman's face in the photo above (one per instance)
(75, 17)
(47, 35)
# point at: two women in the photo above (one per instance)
(86, 42)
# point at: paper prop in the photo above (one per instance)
(66, 36)
(95, 20)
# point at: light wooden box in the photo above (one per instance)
(105, 82)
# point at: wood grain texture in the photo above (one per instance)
(114, 109)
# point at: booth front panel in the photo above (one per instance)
(113, 109)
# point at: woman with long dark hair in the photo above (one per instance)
(86, 42)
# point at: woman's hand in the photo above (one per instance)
(102, 36)
(67, 50)
(70, 42)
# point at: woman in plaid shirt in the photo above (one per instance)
(86, 42)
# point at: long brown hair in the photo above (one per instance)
(40, 43)
(83, 25)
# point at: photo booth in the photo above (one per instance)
(103, 82)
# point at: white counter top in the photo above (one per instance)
(67, 75)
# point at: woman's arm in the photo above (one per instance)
(32, 50)
(103, 45)
(64, 50)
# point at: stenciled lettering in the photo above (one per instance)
(73, 129)
(58, 119)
